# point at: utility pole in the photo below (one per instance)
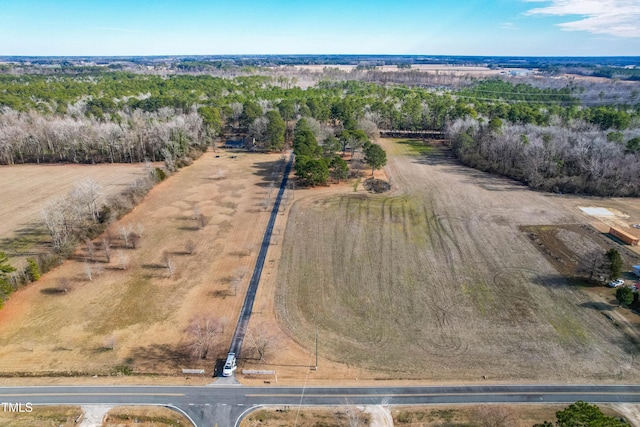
(316, 347)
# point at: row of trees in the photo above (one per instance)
(133, 137)
(575, 159)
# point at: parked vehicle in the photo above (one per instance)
(229, 365)
(615, 283)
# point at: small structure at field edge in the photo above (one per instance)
(623, 236)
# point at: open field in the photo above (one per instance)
(140, 416)
(121, 416)
(43, 416)
(26, 189)
(437, 281)
(469, 415)
(135, 318)
(306, 416)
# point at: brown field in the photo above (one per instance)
(26, 189)
(469, 415)
(144, 416)
(438, 282)
(136, 318)
(121, 416)
(307, 416)
(43, 416)
(421, 416)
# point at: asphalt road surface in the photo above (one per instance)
(247, 306)
(225, 406)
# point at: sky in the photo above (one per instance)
(404, 27)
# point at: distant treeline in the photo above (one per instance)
(116, 116)
(273, 60)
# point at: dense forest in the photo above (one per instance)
(569, 137)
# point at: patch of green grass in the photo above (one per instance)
(416, 147)
(480, 294)
(568, 329)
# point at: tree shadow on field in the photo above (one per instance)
(553, 281)
(153, 266)
(158, 357)
(437, 157)
(54, 291)
(486, 180)
(598, 306)
(29, 240)
(269, 172)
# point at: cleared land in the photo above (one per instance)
(438, 281)
(135, 319)
(26, 189)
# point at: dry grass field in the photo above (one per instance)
(437, 281)
(43, 416)
(470, 415)
(144, 416)
(307, 416)
(121, 416)
(26, 189)
(135, 318)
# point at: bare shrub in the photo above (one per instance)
(123, 260)
(190, 247)
(201, 221)
(169, 263)
(63, 285)
(493, 416)
(109, 342)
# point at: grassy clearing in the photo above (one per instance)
(440, 283)
(43, 416)
(415, 147)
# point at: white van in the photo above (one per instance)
(229, 365)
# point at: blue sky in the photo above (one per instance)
(424, 27)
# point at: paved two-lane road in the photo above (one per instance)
(222, 406)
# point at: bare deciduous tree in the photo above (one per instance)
(123, 260)
(91, 249)
(261, 340)
(494, 416)
(106, 247)
(124, 235)
(201, 333)
(190, 247)
(88, 271)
